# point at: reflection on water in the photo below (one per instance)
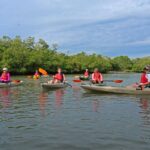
(95, 105)
(76, 92)
(59, 97)
(43, 98)
(5, 99)
(145, 112)
(46, 95)
(32, 118)
(6, 95)
(144, 103)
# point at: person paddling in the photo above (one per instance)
(85, 76)
(36, 75)
(97, 76)
(5, 77)
(144, 81)
(86, 73)
(59, 77)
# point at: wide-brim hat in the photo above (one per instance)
(147, 67)
(5, 69)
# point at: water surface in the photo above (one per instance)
(32, 118)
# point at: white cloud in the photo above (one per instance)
(145, 41)
(79, 24)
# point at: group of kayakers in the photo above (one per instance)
(96, 77)
(60, 77)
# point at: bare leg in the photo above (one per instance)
(56, 81)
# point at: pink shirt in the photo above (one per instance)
(5, 78)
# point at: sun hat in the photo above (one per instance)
(5, 69)
(146, 68)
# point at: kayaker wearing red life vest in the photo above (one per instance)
(144, 77)
(97, 77)
(36, 75)
(5, 77)
(144, 82)
(59, 77)
(86, 73)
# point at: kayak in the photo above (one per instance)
(36, 77)
(53, 86)
(11, 84)
(116, 90)
(83, 78)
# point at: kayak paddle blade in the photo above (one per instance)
(77, 80)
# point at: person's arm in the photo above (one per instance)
(93, 76)
(101, 77)
(8, 76)
(64, 78)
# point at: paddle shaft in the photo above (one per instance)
(68, 84)
(115, 81)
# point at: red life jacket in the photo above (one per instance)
(59, 76)
(144, 79)
(4, 76)
(98, 76)
(86, 73)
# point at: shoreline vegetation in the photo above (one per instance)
(25, 56)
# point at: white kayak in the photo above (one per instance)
(10, 84)
(116, 90)
(53, 86)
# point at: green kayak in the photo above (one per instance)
(83, 78)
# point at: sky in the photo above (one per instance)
(106, 27)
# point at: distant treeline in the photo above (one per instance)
(25, 56)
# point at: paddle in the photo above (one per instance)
(13, 81)
(16, 81)
(77, 80)
(43, 72)
(68, 84)
(115, 81)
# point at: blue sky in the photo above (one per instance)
(110, 27)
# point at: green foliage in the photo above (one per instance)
(25, 56)
(122, 63)
(140, 63)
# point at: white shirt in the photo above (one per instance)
(148, 77)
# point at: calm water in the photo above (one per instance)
(71, 119)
